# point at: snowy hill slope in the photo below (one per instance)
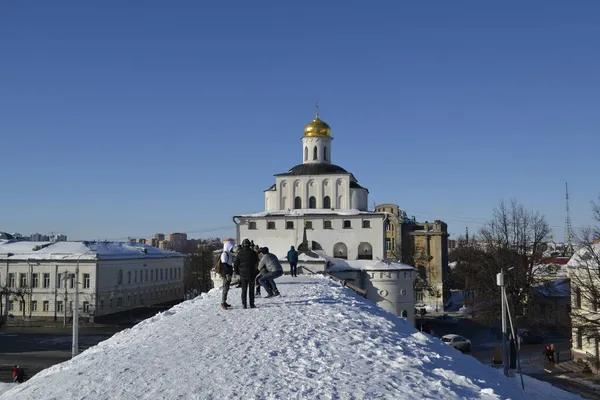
(319, 341)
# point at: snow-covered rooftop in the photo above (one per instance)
(318, 341)
(585, 256)
(337, 264)
(25, 250)
(311, 211)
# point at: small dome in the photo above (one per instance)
(317, 128)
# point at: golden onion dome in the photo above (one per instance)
(317, 128)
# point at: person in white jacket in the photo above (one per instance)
(226, 271)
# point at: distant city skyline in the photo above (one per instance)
(176, 118)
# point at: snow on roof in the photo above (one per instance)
(25, 250)
(583, 256)
(311, 211)
(338, 264)
(328, 342)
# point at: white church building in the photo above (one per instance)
(324, 198)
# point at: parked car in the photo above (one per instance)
(457, 341)
(446, 320)
(529, 337)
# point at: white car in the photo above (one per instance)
(458, 342)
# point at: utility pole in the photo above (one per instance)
(75, 348)
(505, 355)
(65, 302)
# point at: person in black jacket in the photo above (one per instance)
(245, 268)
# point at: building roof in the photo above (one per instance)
(314, 169)
(585, 256)
(338, 264)
(26, 250)
(306, 212)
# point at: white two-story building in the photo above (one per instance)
(38, 279)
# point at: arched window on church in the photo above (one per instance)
(305, 153)
(297, 203)
(312, 202)
(326, 202)
(325, 153)
(315, 153)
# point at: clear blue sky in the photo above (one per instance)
(128, 118)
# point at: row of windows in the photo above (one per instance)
(45, 281)
(135, 299)
(315, 153)
(152, 275)
(312, 202)
(327, 224)
(140, 298)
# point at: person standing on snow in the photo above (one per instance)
(292, 257)
(226, 271)
(245, 267)
(258, 273)
(15, 373)
(274, 271)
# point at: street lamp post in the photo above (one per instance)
(75, 347)
(500, 282)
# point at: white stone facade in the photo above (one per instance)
(349, 236)
(107, 283)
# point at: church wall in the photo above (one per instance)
(359, 199)
(280, 239)
(334, 186)
(323, 145)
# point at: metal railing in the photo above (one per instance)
(361, 292)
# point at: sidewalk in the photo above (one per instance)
(584, 384)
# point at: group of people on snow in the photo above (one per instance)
(255, 266)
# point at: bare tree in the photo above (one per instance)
(199, 262)
(22, 293)
(5, 293)
(514, 240)
(584, 272)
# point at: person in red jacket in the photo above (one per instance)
(15, 373)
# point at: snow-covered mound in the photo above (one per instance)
(318, 341)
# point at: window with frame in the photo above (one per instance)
(577, 297)
(579, 338)
(152, 275)
(289, 224)
(21, 305)
(120, 277)
(46, 306)
(326, 202)
(297, 202)
(60, 307)
(110, 303)
(270, 224)
(419, 297)
(101, 304)
(11, 305)
(59, 280)
(86, 281)
(146, 275)
(11, 280)
(252, 225)
(129, 277)
(33, 305)
(72, 281)
(86, 306)
(312, 202)
(22, 280)
(46, 282)
(347, 224)
(327, 224)
(315, 154)
(162, 274)
(135, 273)
(388, 244)
(119, 302)
(308, 224)
(366, 224)
(35, 281)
